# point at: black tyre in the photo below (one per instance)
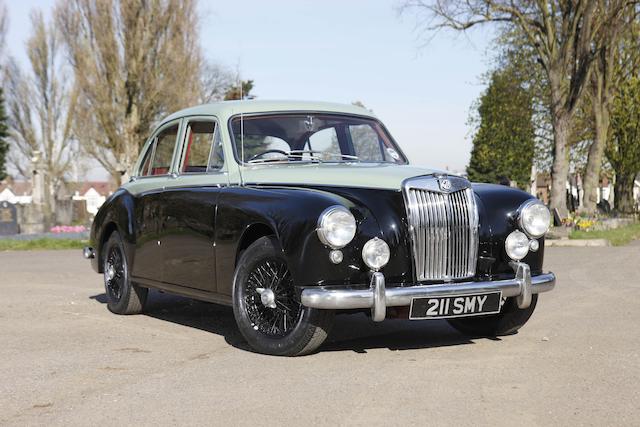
(508, 321)
(265, 306)
(123, 297)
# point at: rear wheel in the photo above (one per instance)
(123, 297)
(265, 306)
(508, 321)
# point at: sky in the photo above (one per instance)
(342, 51)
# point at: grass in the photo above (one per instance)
(41, 244)
(617, 236)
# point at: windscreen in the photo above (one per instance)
(312, 138)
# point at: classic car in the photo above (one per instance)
(291, 211)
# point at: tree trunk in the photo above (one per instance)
(560, 167)
(624, 194)
(601, 118)
(48, 206)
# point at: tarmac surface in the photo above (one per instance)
(65, 360)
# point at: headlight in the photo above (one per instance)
(376, 253)
(517, 245)
(336, 227)
(535, 218)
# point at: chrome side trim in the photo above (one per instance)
(376, 299)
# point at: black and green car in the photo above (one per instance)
(292, 211)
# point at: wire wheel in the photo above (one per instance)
(115, 273)
(269, 299)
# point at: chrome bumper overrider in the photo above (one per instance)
(378, 297)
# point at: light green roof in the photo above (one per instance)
(225, 109)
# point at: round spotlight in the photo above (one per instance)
(376, 253)
(517, 245)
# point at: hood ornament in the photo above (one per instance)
(445, 184)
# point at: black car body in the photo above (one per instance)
(351, 226)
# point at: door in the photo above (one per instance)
(190, 207)
(148, 188)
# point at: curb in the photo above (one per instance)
(577, 243)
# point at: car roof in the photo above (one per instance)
(225, 109)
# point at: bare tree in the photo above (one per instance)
(40, 107)
(566, 36)
(4, 26)
(4, 144)
(602, 89)
(215, 80)
(134, 62)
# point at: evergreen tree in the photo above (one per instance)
(240, 91)
(503, 144)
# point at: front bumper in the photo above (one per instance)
(378, 297)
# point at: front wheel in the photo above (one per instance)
(508, 321)
(265, 306)
(123, 297)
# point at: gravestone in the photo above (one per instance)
(8, 219)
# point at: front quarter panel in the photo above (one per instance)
(117, 213)
(292, 213)
(497, 210)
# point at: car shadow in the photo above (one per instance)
(351, 332)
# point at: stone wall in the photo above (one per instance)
(30, 219)
(68, 212)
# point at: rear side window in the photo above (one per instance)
(204, 149)
(163, 152)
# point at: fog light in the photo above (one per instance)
(335, 256)
(517, 245)
(376, 253)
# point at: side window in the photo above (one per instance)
(216, 162)
(199, 139)
(146, 161)
(164, 145)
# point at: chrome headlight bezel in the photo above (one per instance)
(325, 227)
(528, 209)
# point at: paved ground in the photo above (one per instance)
(64, 360)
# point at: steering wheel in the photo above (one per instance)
(274, 150)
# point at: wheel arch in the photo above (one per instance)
(107, 231)
(252, 233)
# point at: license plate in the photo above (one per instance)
(455, 306)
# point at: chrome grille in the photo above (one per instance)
(444, 229)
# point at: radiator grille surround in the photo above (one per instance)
(443, 224)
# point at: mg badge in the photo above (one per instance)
(445, 184)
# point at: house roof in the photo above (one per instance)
(103, 187)
(18, 188)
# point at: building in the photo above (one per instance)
(94, 193)
(15, 192)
